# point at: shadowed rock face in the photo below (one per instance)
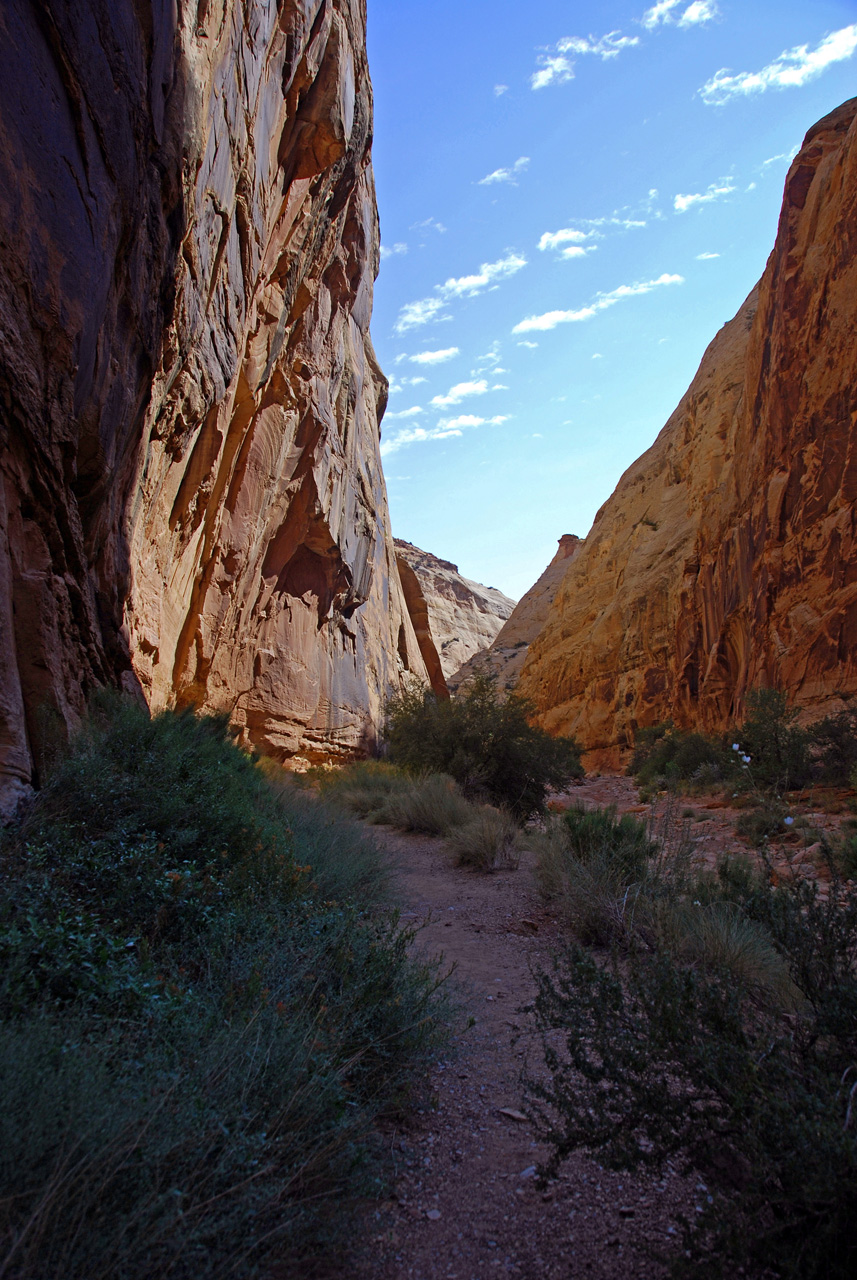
(725, 558)
(191, 495)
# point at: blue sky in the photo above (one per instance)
(574, 197)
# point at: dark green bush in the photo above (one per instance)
(662, 1060)
(203, 1013)
(762, 821)
(777, 747)
(484, 741)
(833, 744)
(663, 752)
(623, 841)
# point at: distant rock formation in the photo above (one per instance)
(464, 617)
(726, 557)
(504, 658)
(191, 496)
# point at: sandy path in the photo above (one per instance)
(466, 1203)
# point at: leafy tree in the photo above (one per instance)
(483, 741)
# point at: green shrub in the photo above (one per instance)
(762, 821)
(733, 1056)
(593, 865)
(363, 787)
(483, 741)
(833, 744)
(432, 805)
(777, 747)
(203, 1012)
(487, 840)
(663, 753)
(623, 841)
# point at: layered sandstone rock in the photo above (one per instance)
(504, 658)
(464, 617)
(192, 501)
(725, 559)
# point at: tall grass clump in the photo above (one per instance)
(204, 1010)
(593, 865)
(482, 740)
(725, 1041)
(487, 841)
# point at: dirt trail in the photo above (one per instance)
(466, 1202)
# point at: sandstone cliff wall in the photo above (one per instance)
(726, 556)
(464, 616)
(192, 501)
(504, 657)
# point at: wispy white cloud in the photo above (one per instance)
(556, 66)
(660, 12)
(459, 392)
(431, 357)
(706, 257)
(491, 358)
(393, 251)
(785, 157)
(532, 346)
(671, 12)
(429, 224)
(487, 275)
(414, 314)
(550, 319)
(556, 239)
(500, 89)
(717, 189)
(443, 431)
(699, 11)
(568, 242)
(793, 68)
(470, 420)
(413, 412)
(506, 175)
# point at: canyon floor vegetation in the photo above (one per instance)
(207, 1004)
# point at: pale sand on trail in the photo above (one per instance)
(466, 1204)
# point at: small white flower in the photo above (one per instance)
(788, 821)
(746, 759)
(736, 746)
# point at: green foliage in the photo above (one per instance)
(777, 747)
(432, 805)
(833, 742)
(483, 741)
(729, 1045)
(762, 821)
(624, 841)
(486, 841)
(664, 753)
(203, 1011)
(364, 787)
(594, 865)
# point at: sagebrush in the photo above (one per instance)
(205, 1008)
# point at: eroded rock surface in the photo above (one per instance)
(726, 556)
(192, 502)
(464, 616)
(504, 658)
